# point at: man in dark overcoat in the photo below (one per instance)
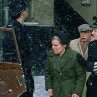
(18, 11)
(91, 64)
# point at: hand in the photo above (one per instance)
(50, 92)
(81, 60)
(75, 95)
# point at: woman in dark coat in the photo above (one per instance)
(18, 11)
(64, 77)
(91, 64)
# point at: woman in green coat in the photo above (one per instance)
(64, 77)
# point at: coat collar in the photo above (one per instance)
(84, 54)
(64, 60)
(67, 53)
(59, 62)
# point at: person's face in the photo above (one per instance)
(94, 33)
(85, 36)
(25, 12)
(57, 47)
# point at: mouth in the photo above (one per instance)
(93, 35)
(83, 38)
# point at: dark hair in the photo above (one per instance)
(16, 17)
(63, 38)
(16, 7)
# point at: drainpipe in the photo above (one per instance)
(6, 16)
(96, 7)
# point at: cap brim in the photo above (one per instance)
(93, 26)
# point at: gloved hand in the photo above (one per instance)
(81, 60)
(95, 68)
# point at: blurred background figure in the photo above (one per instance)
(94, 19)
(91, 64)
(81, 44)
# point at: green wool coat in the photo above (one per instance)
(64, 74)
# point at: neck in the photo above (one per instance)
(21, 20)
(62, 52)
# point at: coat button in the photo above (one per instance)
(60, 73)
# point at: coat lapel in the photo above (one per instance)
(56, 64)
(65, 58)
(59, 63)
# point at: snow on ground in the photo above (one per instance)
(40, 87)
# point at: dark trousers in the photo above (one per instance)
(92, 86)
(29, 81)
(26, 94)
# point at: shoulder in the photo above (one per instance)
(74, 53)
(71, 53)
(93, 44)
(74, 44)
(50, 53)
(92, 50)
(74, 41)
(92, 47)
(12, 24)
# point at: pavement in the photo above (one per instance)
(40, 87)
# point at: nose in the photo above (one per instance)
(82, 34)
(52, 47)
(93, 32)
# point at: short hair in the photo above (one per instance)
(16, 16)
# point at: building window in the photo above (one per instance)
(85, 2)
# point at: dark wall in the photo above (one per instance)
(41, 45)
(66, 18)
(39, 39)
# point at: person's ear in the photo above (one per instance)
(22, 13)
(65, 45)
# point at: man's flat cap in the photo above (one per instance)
(84, 28)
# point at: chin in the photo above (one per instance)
(55, 53)
(84, 40)
(95, 38)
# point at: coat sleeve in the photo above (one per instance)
(87, 64)
(48, 75)
(92, 56)
(80, 79)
